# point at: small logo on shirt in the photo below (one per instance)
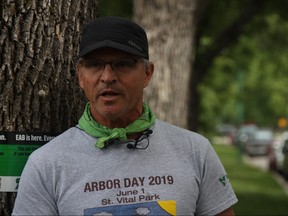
(224, 180)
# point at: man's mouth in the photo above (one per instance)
(109, 93)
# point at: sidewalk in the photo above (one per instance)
(262, 164)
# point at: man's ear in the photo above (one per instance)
(148, 73)
(79, 75)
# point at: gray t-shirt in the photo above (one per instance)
(178, 173)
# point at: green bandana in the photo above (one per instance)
(93, 128)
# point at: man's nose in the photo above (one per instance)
(108, 75)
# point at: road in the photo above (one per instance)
(261, 162)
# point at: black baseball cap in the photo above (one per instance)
(114, 32)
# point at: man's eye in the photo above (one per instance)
(93, 64)
(124, 64)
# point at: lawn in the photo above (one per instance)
(257, 191)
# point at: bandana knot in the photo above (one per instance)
(105, 134)
(120, 133)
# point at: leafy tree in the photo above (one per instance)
(123, 8)
(251, 73)
(222, 23)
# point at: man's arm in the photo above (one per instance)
(227, 212)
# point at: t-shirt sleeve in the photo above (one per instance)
(216, 192)
(33, 196)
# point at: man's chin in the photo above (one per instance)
(111, 112)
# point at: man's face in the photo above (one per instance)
(115, 94)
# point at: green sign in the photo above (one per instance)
(15, 149)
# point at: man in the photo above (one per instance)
(119, 160)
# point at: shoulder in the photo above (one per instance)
(63, 138)
(188, 141)
(168, 129)
(60, 144)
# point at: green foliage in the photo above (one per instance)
(252, 73)
(257, 191)
(122, 8)
(218, 16)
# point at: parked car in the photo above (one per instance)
(259, 142)
(244, 133)
(276, 154)
(285, 159)
(228, 131)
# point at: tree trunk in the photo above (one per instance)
(39, 90)
(170, 26)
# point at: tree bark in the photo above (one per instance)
(38, 87)
(170, 27)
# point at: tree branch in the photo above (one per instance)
(228, 37)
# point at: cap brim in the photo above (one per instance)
(111, 44)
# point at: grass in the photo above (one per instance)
(258, 192)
